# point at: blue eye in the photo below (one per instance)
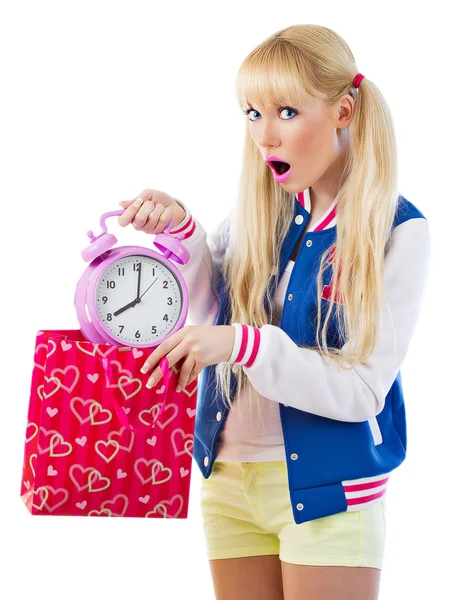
(251, 110)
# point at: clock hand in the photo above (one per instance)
(139, 281)
(149, 287)
(130, 305)
(134, 302)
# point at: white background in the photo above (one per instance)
(103, 99)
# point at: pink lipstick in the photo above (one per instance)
(281, 169)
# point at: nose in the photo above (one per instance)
(267, 136)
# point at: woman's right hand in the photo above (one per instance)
(151, 212)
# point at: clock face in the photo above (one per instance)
(159, 307)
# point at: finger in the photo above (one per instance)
(153, 359)
(162, 350)
(130, 212)
(144, 195)
(140, 218)
(185, 373)
(128, 215)
(153, 219)
(193, 376)
(172, 357)
(164, 219)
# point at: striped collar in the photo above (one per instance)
(329, 219)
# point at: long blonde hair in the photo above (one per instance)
(281, 71)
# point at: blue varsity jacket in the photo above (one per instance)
(328, 460)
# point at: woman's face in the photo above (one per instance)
(307, 137)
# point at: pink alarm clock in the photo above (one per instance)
(131, 295)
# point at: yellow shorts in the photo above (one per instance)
(246, 511)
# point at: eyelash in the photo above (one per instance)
(246, 112)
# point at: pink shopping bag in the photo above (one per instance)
(98, 442)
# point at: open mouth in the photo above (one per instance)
(279, 166)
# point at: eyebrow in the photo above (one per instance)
(273, 105)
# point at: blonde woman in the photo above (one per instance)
(304, 301)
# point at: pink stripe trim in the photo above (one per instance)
(365, 486)
(255, 347)
(327, 220)
(191, 231)
(187, 224)
(364, 499)
(244, 343)
(301, 198)
(189, 228)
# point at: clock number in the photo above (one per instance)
(122, 327)
(165, 285)
(137, 266)
(165, 318)
(171, 301)
(121, 271)
(104, 298)
(109, 316)
(154, 328)
(137, 334)
(111, 284)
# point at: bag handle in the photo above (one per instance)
(119, 410)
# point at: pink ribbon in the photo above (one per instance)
(121, 413)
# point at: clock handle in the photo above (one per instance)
(123, 417)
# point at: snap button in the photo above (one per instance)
(294, 456)
(300, 506)
(309, 243)
(206, 461)
(219, 416)
(290, 296)
(299, 219)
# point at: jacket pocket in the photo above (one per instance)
(375, 430)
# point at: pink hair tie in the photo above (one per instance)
(357, 79)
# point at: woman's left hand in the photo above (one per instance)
(200, 346)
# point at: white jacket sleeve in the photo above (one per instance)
(284, 372)
(202, 271)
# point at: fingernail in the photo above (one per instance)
(138, 202)
(178, 388)
(150, 383)
(145, 367)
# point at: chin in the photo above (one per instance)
(294, 188)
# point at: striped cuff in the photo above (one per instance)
(187, 225)
(246, 347)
